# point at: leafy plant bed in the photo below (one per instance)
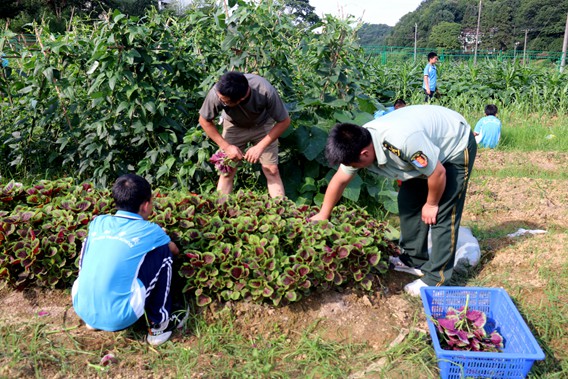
(242, 246)
(519, 350)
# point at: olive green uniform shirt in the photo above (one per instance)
(410, 141)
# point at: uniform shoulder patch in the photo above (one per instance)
(419, 160)
(392, 149)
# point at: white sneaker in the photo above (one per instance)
(398, 265)
(158, 334)
(413, 288)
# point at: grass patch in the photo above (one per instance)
(526, 170)
(527, 132)
(534, 132)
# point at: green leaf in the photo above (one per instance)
(291, 296)
(366, 105)
(203, 300)
(112, 83)
(390, 201)
(311, 141)
(150, 107)
(353, 190)
(343, 117)
(308, 186)
(362, 118)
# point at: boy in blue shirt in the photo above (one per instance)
(487, 131)
(430, 77)
(399, 103)
(125, 267)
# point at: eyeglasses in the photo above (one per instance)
(227, 102)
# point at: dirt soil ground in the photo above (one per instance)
(497, 206)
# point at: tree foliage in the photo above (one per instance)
(373, 34)
(446, 35)
(303, 11)
(122, 95)
(503, 22)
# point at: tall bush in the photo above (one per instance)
(123, 94)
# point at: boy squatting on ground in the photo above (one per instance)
(252, 112)
(431, 149)
(487, 131)
(125, 267)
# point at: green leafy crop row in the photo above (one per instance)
(233, 247)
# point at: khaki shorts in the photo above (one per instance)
(241, 137)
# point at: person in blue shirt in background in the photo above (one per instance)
(487, 131)
(125, 267)
(430, 77)
(399, 103)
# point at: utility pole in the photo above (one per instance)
(415, 39)
(564, 47)
(477, 33)
(525, 47)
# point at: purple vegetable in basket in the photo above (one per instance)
(464, 329)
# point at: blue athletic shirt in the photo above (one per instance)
(107, 295)
(432, 74)
(489, 129)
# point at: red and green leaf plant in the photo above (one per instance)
(222, 162)
(465, 329)
(243, 246)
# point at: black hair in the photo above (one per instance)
(399, 103)
(345, 143)
(130, 191)
(432, 55)
(233, 84)
(491, 109)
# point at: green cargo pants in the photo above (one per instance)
(437, 267)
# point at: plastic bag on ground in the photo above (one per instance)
(467, 248)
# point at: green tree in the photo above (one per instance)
(373, 34)
(446, 35)
(303, 11)
(545, 21)
(10, 8)
(503, 22)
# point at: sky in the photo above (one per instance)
(372, 11)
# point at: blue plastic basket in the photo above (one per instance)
(520, 347)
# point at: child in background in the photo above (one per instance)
(487, 131)
(399, 103)
(430, 83)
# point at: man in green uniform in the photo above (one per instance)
(431, 150)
